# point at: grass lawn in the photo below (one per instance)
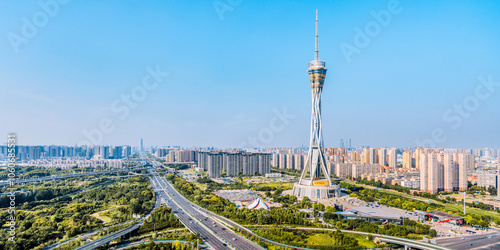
(106, 215)
(284, 185)
(320, 239)
(362, 241)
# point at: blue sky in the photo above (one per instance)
(227, 75)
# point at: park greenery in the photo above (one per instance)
(63, 209)
(381, 185)
(240, 183)
(27, 172)
(316, 239)
(292, 172)
(409, 229)
(47, 191)
(167, 234)
(163, 246)
(160, 218)
(475, 189)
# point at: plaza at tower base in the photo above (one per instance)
(315, 192)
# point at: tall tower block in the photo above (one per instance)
(315, 181)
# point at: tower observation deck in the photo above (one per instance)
(315, 181)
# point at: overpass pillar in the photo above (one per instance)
(406, 247)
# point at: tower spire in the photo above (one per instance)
(316, 51)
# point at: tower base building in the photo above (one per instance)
(316, 192)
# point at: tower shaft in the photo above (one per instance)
(315, 181)
(315, 171)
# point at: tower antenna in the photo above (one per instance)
(316, 51)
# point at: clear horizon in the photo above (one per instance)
(400, 73)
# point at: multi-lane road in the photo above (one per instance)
(483, 241)
(213, 233)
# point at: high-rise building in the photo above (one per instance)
(468, 160)
(434, 168)
(34, 152)
(264, 163)
(463, 165)
(298, 160)
(486, 179)
(104, 152)
(142, 145)
(355, 156)
(382, 159)
(440, 171)
(424, 172)
(450, 169)
(407, 160)
(373, 153)
(117, 152)
(282, 161)
(418, 152)
(275, 160)
(234, 163)
(393, 157)
(203, 159)
(315, 180)
(365, 155)
(290, 161)
(214, 164)
(127, 151)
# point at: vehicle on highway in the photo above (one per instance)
(470, 244)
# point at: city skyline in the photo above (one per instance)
(393, 93)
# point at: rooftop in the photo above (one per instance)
(444, 214)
